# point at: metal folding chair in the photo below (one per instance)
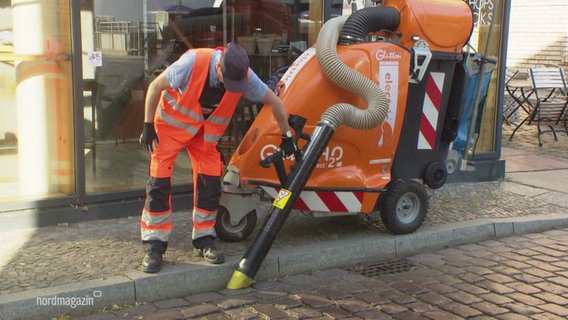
(550, 92)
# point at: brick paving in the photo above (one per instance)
(520, 277)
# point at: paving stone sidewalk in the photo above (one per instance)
(520, 277)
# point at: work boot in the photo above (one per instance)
(211, 255)
(152, 262)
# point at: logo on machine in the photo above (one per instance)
(268, 150)
(332, 156)
(387, 55)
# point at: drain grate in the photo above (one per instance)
(385, 267)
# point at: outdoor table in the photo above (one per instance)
(520, 90)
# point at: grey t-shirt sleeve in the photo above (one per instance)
(179, 72)
(256, 89)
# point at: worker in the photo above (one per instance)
(190, 105)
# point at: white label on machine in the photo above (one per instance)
(388, 81)
(298, 64)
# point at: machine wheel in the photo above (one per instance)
(404, 206)
(435, 175)
(234, 232)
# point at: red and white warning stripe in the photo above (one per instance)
(325, 201)
(431, 111)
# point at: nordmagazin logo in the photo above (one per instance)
(71, 302)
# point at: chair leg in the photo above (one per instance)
(554, 133)
(517, 128)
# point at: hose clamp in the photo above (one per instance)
(351, 39)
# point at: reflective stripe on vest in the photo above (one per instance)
(219, 120)
(174, 123)
(212, 137)
(186, 112)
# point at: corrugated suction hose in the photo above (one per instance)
(349, 79)
(332, 118)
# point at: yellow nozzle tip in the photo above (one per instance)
(239, 280)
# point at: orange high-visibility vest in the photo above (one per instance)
(184, 110)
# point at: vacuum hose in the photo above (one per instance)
(354, 27)
(332, 118)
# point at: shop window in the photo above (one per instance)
(127, 44)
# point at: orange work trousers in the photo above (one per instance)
(207, 168)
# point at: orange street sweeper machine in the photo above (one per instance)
(374, 106)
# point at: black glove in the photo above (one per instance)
(148, 137)
(287, 145)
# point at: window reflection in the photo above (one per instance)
(36, 123)
(136, 40)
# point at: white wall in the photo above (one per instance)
(538, 33)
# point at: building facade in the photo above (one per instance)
(73, 76)
(534, 41)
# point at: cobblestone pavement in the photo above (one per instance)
(69, 253)
(520, 277)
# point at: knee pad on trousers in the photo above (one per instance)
(208, 192)
(158, 191)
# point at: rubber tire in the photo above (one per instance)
(435, 175)
(233, 233)
(404, 206)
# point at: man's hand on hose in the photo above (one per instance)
(148, 137)
(287, 145)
